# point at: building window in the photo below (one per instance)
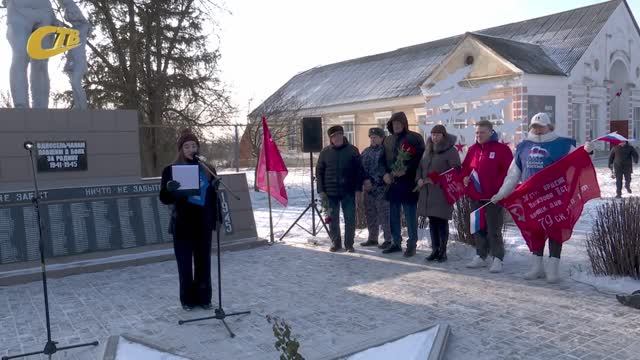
(292, 140)
(594, 121)
(495, 120)
(459, 122)
(348, 123)
(497, 117)
(576, 121)
(381, 118)
(636, 122)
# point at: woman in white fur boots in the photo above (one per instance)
(541, 148)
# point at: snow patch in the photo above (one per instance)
(606, 284)
(412, 347)
(128, 350)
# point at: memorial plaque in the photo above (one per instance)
(102, 224)
(98, 218)
(30, 238)
(57, 231)
(61, 156)
(126, 227)
(149, 223)
(164, 214)
(8, 250)
(80, 216)
(227, 223)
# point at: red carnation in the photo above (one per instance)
(406, 147)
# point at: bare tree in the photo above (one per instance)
(283, 116)
(220, 152)
(5, 99)
(155, 57)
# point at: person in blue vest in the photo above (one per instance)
(541, 148)
(193, 219)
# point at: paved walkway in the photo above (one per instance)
(334, 302)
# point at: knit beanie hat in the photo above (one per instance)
(187, 135)
(334, 130)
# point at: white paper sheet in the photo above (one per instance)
(187, 175)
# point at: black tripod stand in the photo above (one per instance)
(50, 347)
(219, 312)
(313, 207)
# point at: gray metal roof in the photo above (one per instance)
(558, 40)
(530, 58)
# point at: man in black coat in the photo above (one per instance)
(620, 163)
(339, 177)
(401, 181)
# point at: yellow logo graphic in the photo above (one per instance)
(66, 39)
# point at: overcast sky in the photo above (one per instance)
(266, 42)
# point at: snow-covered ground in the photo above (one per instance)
(574, 254)
(413, 347)
(128, 350)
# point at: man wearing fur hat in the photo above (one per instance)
(376, 206)
(404, 146)
(339, 177)
(540, 149)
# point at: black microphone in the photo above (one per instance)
(203, 161)
(200, 158)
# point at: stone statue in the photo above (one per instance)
(23, 17)
(76, 65)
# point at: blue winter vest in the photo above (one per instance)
(531, 157)
(204, 185)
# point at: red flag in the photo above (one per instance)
(270, 162)
(451, 184)
(550, 202)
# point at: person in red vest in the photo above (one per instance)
(484, 168)
(541, 148)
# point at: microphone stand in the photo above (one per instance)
(50, 347)
(219, 312)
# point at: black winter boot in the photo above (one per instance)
(391, 249)
(369, 243)
(442, 255)
(435, 253)
(409, 252)
(384, 245)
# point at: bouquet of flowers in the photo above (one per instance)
(405, 153)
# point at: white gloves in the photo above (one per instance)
(588, 146)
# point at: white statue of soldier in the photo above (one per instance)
(76, 65)
(24, 17)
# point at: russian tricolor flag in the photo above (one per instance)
(613, 138)
(477, 220)
(475, 179)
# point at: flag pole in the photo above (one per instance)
(266, 160)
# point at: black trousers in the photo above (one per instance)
(439, 231)
(555, 249)
(620, 173)
(193, 255)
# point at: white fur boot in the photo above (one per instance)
(553, 270)
(537, 269)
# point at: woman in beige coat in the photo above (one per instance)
(440, 155)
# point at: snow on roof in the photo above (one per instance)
(553, 44)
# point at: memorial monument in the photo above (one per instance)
(95, 202)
